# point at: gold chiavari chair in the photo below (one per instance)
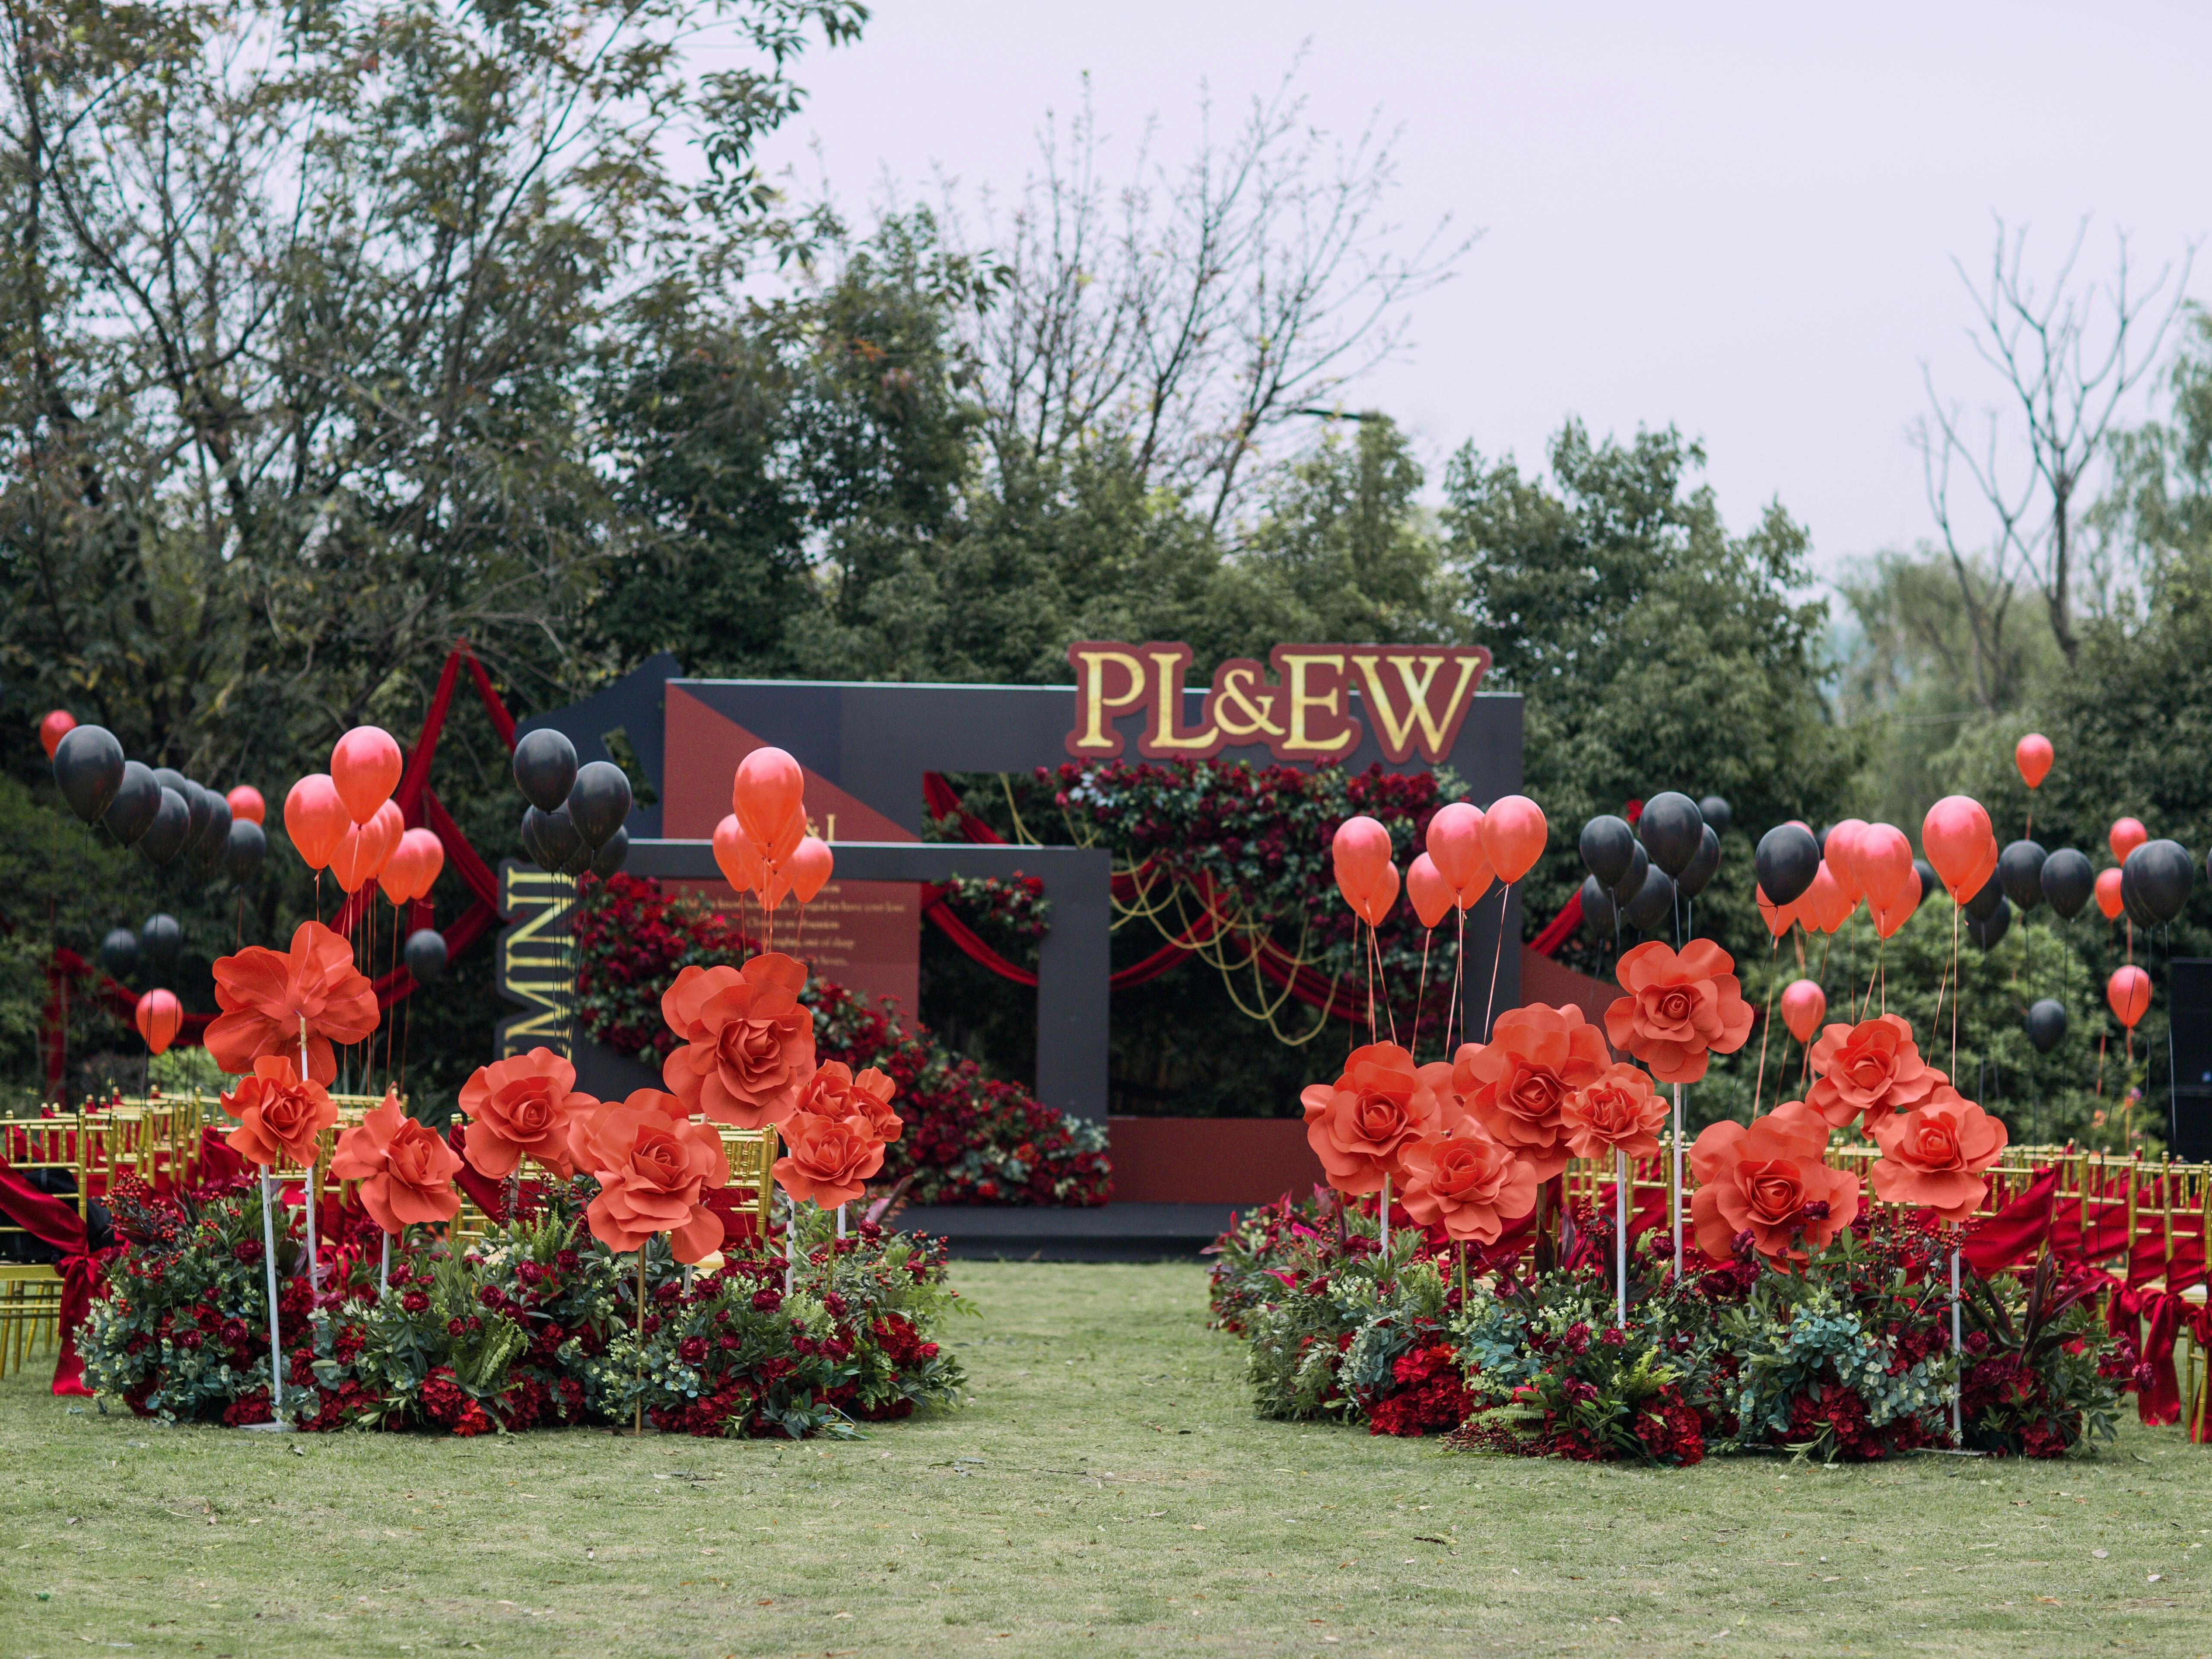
(752, 1155)
(31, 1292)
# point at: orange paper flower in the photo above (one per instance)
(1468, 1181)
(652, 1163)
(827, 1159)
(1616, 1113)
(834, 1091)
(1768, 1186)
(279, 1117)
(1933, 1156)
(404, 1171)
(749, 1044)
(1680, 1008)
(1868, 1070)
(1358, 1125)
(264, 995)
(1514, 1084)
(519, 1107)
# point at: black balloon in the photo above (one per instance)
(1702, 868)
(199, 805)
(1609, 847)
(1986, 931)
(206, 851)
(598, 801)
(1671, 829)
(1631, 884)
(545, 768)
(1654, 905)
(132, 811)
(2020, 872)
(1787, 860)
(88, 770)
(161, 938)
(165, 837)
(2162, 872)
(552, 836)
(1716, 813)
(243, 850)
(169, 778)
(2068, 882)
(1983, 904)
(2132, 904)
(1929, 887)
(1600, 914)
(578, 862)
(426, 955)
(612, 854)
(2047, 1024)
(119, 952)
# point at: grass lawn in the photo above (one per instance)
(1108, 1492)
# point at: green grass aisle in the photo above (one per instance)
(1108, 1492)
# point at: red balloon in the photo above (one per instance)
(1513, 834)
(58, 725)
(1822, 907)
(734, 854)
(1843, 855)
(413, 867)
(774, 885)
(768, 792)
(1359, 849)
(1375, 903)
(246, 805)
(2108, 894)
(1432, 896)
(159, 1017)
(1883, 858)
(1465, 896)
(2033, 755)
(1956, 836)
(1778, 917)
(1804, 1005)
(1888, 918)
(365, 848)
(1455, 844)
(2127, 835)
(2128, 992)
(430, 860)
(365, 765)
(808, 866)
(314, 818)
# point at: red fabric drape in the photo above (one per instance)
(51, 1221)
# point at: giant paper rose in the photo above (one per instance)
(1868, 1071)
(1514, 1084)
(403, 1173)
(1358, 1125)
(652, 1163)
(1617, 1112)
(265, 995)
(1679, 1009)
(748, 1042)
(834, 1091)
(1467, 1182)
(827, 1159)
(279, 1117)
(1933, 1156)
(1768, 1186)
(521, 1107)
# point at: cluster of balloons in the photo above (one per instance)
(157, 810)
(346, 821)
(574, 823)
(1466, 849)
(761, 845)
(1636, 874)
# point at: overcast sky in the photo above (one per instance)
(1737, 218)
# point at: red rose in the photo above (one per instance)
(272, 1002)
(1619, 1112)
(1514, 1084)
(1467, 1182)
(1358, 1125)
(1771, 1181)
(749, 1043)
(652, 1163)
(827, 1159)
(404, 1172)
(1868, 1071)
(281, 1119)
(1933, 1156)
(521, 1107)
(835, 1092)
(1679, 1009)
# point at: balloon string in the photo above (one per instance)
(1421, 989)
(1390, 1013)
(1956, 991)
(1765, 1026)
(1459, 960)
(1495, 957)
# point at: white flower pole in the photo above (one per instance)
(1621, 1245)
(1678, 1180)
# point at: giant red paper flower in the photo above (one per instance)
(1868, 1071)
(652, 1163)
(1358, 1125)
(521, 1107)
(1617, 1112)
(834, 1091)
(404, 1173)
(265, 995)
(279, 1117)
(827, 1159)
(748, 1042)
(1680, 1008)
(1514, 1084)
(1933, 1156)
(1768, 1186)
(1468, 1181)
